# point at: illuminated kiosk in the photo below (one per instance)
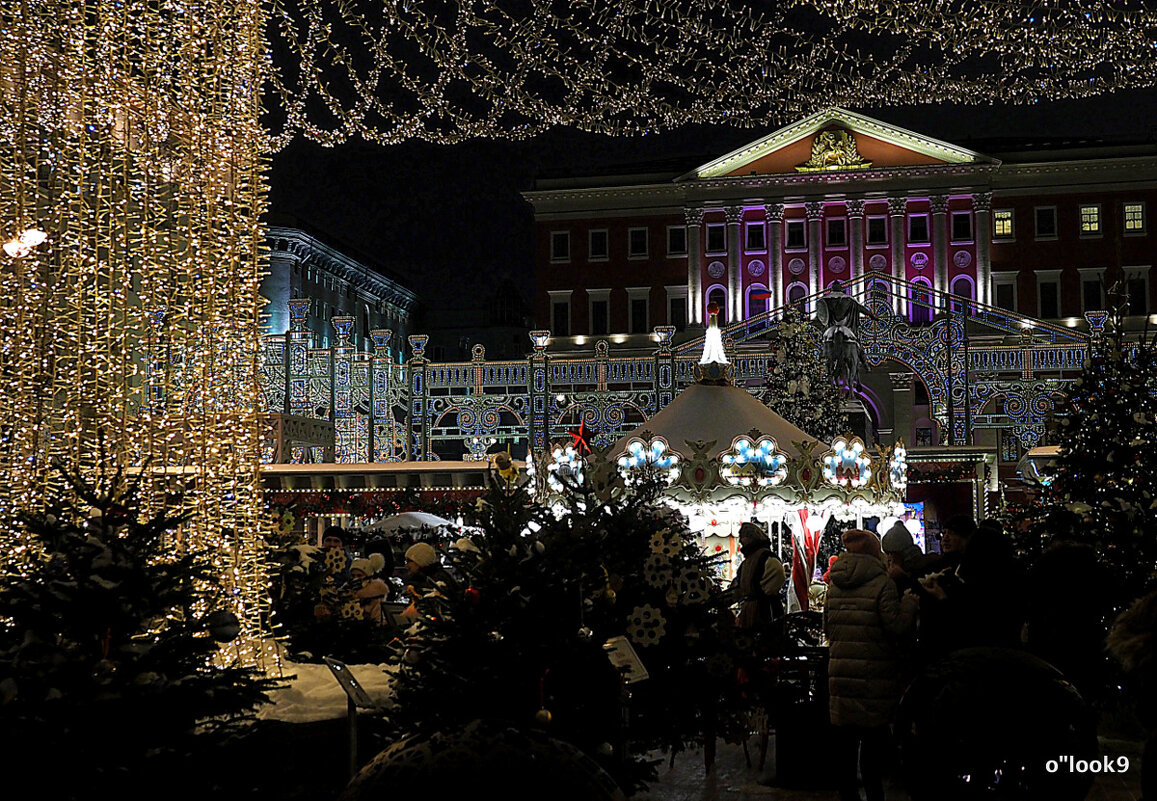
(728, 459)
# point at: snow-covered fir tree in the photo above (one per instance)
(799, 388)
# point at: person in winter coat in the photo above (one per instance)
(865, 620)
(1133, 642)
(426, 577)
(758, 581)
(907, 564)
(368, 588)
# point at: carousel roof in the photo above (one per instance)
(720, 412)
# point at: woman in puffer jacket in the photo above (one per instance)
(866, 623)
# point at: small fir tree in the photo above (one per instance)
(106, 681)
(542, 595)
(1102, 491)
(799, 388)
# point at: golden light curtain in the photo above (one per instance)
(129, 134)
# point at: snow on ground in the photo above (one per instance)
(314, 694)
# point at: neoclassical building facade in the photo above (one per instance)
(1046, 233)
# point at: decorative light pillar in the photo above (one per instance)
(734, 216)
(982, 206)
(774, 213)
(898, 214)
(693, 218)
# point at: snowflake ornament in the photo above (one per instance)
(646, 625)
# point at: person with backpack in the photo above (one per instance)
(757, 581)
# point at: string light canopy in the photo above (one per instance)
(450, 70)
(131, 186)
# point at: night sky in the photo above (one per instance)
(435, 213)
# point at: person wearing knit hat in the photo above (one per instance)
(865, 621)
(427, 578)
(368, 588)
(907, 564)
(758, 580)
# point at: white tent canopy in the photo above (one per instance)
(409, 520)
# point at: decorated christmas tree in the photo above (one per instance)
(110, 660)
(799, 388)
(526, 643)
(1102, 491)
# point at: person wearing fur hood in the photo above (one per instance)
(368, 588)
(866, 621)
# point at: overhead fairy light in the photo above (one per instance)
(449, 70)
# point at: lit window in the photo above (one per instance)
(1091, 220)
(1002, 224)
(1134, 218)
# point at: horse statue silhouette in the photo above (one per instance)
(839, 316)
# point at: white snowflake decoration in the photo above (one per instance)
(647, 625)
(760, 463)
(847, 463)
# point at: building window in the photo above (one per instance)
(600, 317)
(962, 286)
(560, 313)
(1092, 290)
(1134, 218)
(677, 306)
(676, 240)
(1046, 222)
(560, 245)
(877, 230)
(1048, 294)
(921, 304)
(755, 237)
(716, 238)
(1002, 225)
(923, 436)
(597, 241)
(796, 234)
(637, 243)
(1091, 219)
(1004, 291)
(837, 232)
(796, 293)
(961, 226)
(918, 228)
(718, 296)
(638, 315)
(1137, 291)
(758, 300)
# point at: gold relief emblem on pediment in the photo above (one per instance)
(834, 149)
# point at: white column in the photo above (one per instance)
(855, 210)
(940, 241)
(693, 218)
(982, 211)
(774, 212)
(815, 214)
(898, 213)
(734, 216)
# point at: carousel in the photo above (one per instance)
(727, 459)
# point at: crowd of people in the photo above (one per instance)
(891, 610)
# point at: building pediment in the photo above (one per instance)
(835, 140)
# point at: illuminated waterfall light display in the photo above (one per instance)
(131, 185)
(451, 70)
